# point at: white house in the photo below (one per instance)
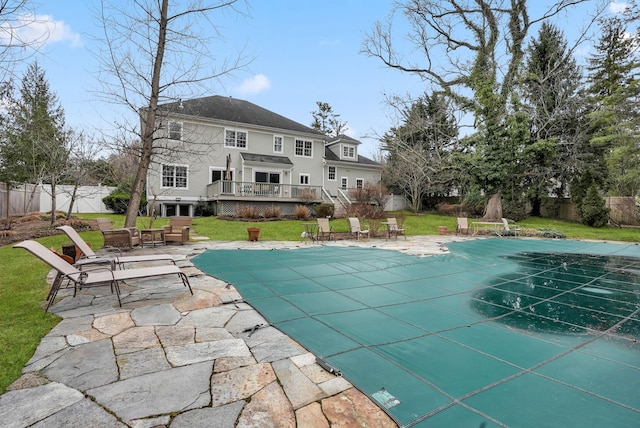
(224, 152)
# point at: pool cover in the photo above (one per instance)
(499, 332)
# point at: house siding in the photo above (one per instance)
(202, 150)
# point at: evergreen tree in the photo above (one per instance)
(615, 92)
(37, 132)
(327, 121)
(555, 108)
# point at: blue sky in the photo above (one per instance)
(304, 51)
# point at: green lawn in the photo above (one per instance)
(22, 277)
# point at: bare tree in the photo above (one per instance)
(80, 171)
(154, 52)
(16, 44)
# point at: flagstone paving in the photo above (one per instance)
(170, 359)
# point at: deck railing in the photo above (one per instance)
(248, 189)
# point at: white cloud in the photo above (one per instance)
(615, 7)
(38, 31)
(255, 84)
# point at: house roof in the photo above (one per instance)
(235, 110)
(362, 160)
(252, 157)
(342, 139)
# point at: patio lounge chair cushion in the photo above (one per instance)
(94, 277)
(178, 229)
(120, 238)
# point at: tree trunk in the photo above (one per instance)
(493, 210)
(148, 121)
(72, 201)
(53, 203)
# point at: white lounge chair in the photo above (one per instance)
(67, 271)
(462, 225)
(393, 228)
(354, 227)
(508, 230)
(89, 257)
(324, 228)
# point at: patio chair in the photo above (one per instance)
(89, 257)
(462, 226)
(120, 238)
(178, 229)
(393, 228)
(354, 227)
(508, 230)
(66, 271)
(324, 228)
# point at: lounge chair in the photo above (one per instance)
(178, 229)
(462, 226)
(67, 271)
(393, 228)
(324, 229)
(121, 238)
(354, 227)
(508, 230)
(89, 257)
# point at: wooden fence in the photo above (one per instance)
(21, 200)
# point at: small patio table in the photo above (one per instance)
(310, 232)
(154, 236)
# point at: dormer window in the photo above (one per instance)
(349, 152)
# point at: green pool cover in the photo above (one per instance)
(500, 332)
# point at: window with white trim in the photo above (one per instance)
(237, 139)
(348, 152)
(175, 130)
(359, 183)
(277, 143)
(304, 148)
(344, 183)
(304, 179)
(331, 175)
(174, 176)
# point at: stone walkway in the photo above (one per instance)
(170, 359)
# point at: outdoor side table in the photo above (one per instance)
(310, 232)
(152, 236)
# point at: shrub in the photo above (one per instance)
(204, 209)
(272, 211)
(551, 233)
(593, 210)
(370, 193)
(301, 212)
(118, 200)
(474, 202)
(307, 196)
(247, 211)
(324, 210)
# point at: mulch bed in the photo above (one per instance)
(37, 225)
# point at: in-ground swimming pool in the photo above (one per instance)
(500, 332)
